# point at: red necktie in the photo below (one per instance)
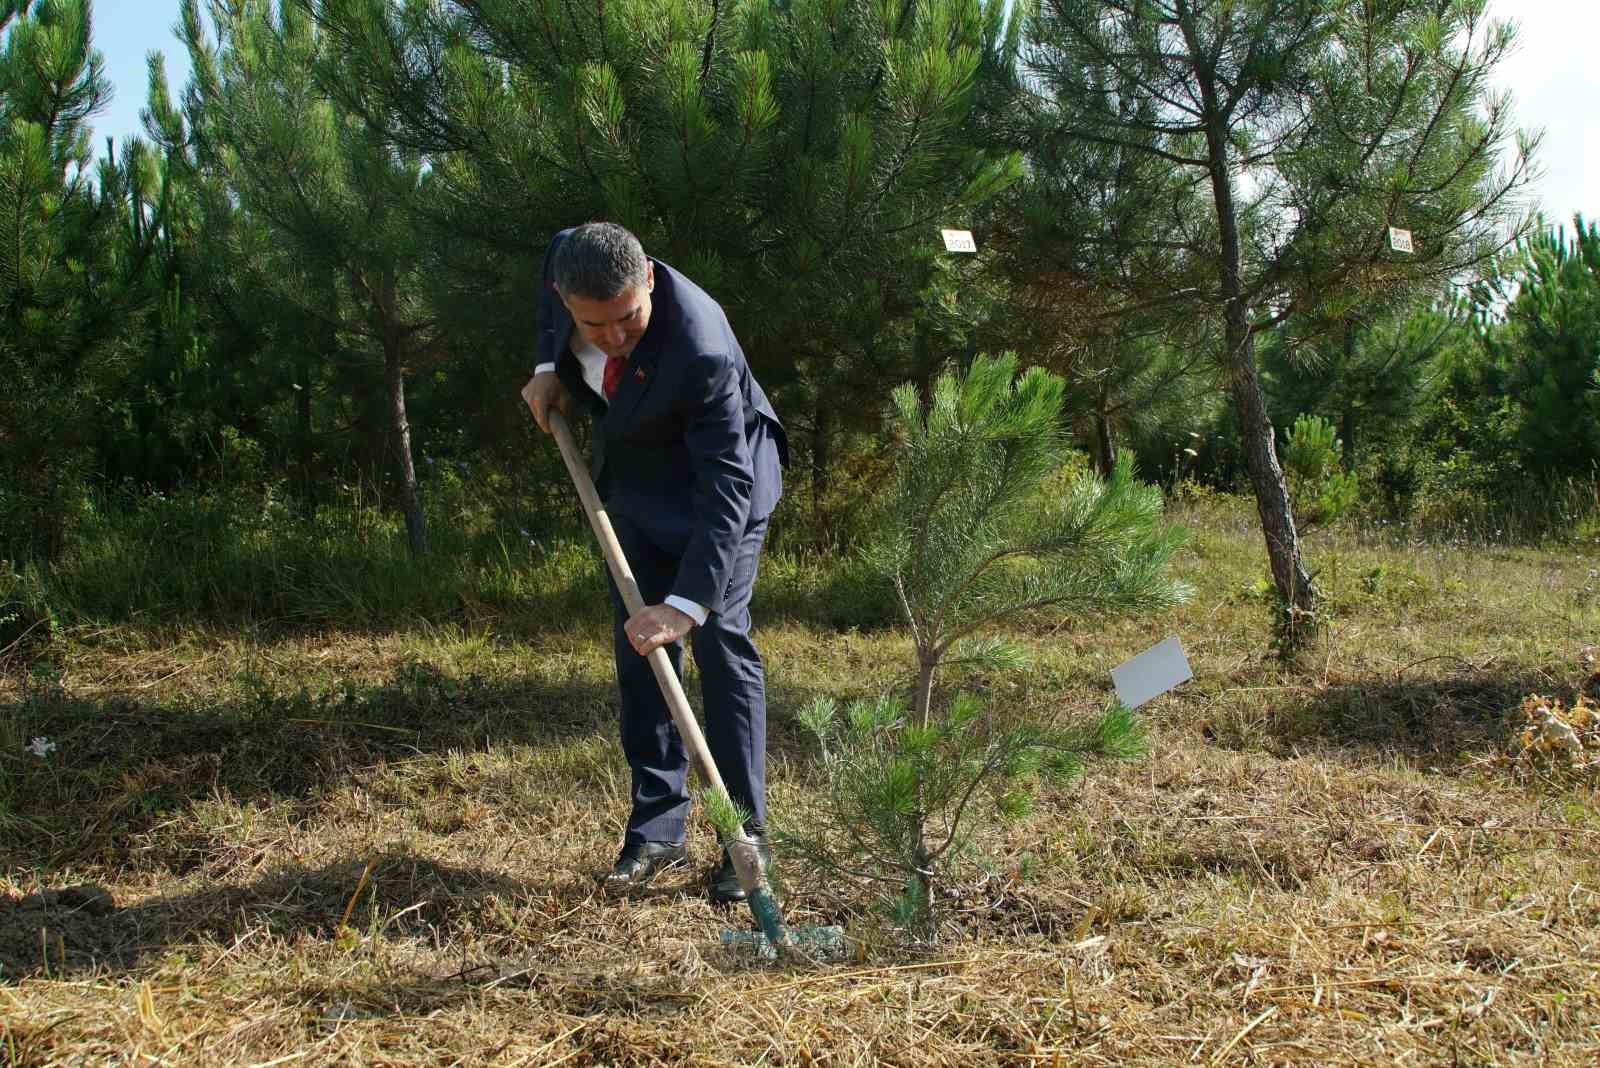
(613, 375)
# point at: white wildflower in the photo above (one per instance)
(41, 747)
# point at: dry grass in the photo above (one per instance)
(379, 850)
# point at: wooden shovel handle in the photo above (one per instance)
(671, 688)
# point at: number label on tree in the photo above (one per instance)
(959, 241)
(1400, 240)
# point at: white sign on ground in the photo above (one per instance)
(1400, 240)
(1151, 673)
(959, 241)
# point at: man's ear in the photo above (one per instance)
(649, 276)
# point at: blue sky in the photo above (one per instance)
(1555, 85)
(126, 31)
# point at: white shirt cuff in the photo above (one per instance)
(545, 369)
(688, 608)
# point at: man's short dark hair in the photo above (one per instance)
(599, 261)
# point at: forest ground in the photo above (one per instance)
(377, 845)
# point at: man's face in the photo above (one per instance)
(614, 326)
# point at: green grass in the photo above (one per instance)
(349, 809)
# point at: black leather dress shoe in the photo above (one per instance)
(725, 888)
(639, 862)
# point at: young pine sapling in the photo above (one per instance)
(968, 538)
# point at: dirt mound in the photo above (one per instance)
(57, 931)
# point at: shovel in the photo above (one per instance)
(774, 937)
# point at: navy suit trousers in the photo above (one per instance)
(732, 689)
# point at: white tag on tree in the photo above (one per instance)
(959, 241)
(1151, 673)
(1400, 240)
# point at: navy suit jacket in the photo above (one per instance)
(689, 450)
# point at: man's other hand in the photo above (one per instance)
(654, 626)
(544, 392)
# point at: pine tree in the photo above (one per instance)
(1315, 126)
(797, 159)
(62, 293)
(1313, 456)
(228, 358)
(973, 534)
(1548, 350)
(1096, 250)
(331, 228)
(153, 424)
(1369, 374)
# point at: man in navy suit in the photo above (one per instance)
(688, 458)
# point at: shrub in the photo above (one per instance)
(1320, 490)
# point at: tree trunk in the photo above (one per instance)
(302, 412)
(410, 501)
(922, 700)
(322, 349)
(821, 432)
(924, 366)
(50, 518)
(1347, 421)
(1261, 455)
(922, 712)
(1347, 435)
(1266, 477)
(924, 865)
(1105, 447)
